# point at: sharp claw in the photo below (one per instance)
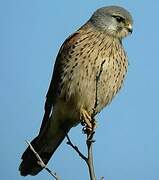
(86, 121)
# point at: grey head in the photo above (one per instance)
(114, 20)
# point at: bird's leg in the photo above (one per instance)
(87, 121)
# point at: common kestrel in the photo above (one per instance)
(88, 72)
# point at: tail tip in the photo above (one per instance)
(29, 170)
(22, 170)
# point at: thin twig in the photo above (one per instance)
(75, 148)
(41, 162)
(96, 89)
(89, 158)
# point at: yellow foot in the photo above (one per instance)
(86, 120)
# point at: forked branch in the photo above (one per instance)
(89, 142)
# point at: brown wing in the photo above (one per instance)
(57, 74)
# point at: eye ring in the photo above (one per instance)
(118, 18)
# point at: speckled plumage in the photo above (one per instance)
(89, 55)
(89, 71)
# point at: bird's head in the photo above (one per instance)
(114, 20)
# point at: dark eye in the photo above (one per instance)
(118, 18)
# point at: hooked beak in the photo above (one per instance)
(129, 28)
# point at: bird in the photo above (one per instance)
(89, 71)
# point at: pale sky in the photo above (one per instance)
(127, 137)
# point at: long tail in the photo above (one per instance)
(45, 145)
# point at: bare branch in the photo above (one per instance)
(89, 143)
(41, 163)
(75, 148)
